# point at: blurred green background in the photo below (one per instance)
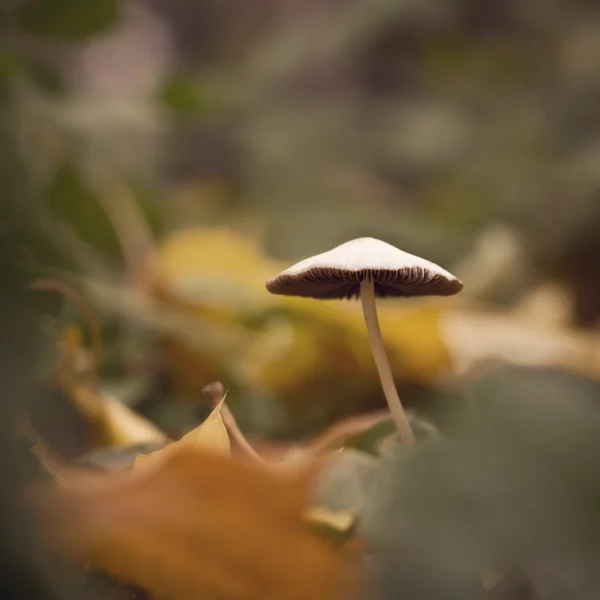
(165, 158)
(160, 159)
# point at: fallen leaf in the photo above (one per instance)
(85, 400)
(476, 338)
(123, 427)
(210, 435)
(339, 491)
(116, 459)
(339, 521)
(200, 525)
(547, 304)
(218, 271)
(115, 424)
(71, 345)
(64, 473)
(300, 351)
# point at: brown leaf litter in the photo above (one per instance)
(198, 525)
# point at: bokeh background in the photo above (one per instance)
(187, 151)
(164, 158)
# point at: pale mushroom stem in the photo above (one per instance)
(367, 296)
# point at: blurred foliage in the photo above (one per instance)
(185, 96)
(67, 19)
(162, 159)
(514, 487)
(66, 193)
(398, 135)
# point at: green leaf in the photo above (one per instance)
(9, 65)
(182, 95)
(44, 77)
(150, 206)
(70, 200)
(69, 19)
(185, 95)
(342, 484)
(368, 440)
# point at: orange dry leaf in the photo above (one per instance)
(198, 526)
(210, 435)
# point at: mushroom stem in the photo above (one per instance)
(367, 296)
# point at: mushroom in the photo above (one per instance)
(368, 268)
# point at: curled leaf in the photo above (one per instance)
(210, 435)
(115, 424)
(124, 427)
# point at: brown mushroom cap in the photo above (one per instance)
(339, 273)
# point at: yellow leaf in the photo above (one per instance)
(115, 424)
(214, 275)
(70, 342)
(211, 435)
(213, 270)
(124, 427)
(86, 401)
(477, 337)
(323, 352)
(303, 350)
(339, 520)
(411, 333)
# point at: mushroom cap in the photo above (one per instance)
(339, 273)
